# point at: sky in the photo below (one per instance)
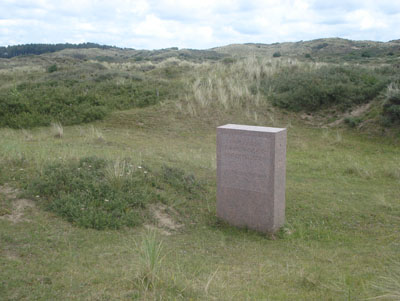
(199, 24)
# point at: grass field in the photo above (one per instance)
(341, 239)
(108, 173)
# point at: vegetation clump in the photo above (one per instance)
(178, 179)
(52, 68)
(299, 89)
(68, 101)
(391, 107)
(88, 195)
(99, 194)
(352, 121)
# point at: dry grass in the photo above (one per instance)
(57, 130)
(234, 85)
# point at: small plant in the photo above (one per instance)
(150, 251)
(119, 171)
(277, 54)
(52, 68)
(352, 121)
(228, 60)
(57, 130)
(366, 53)
(178, 179)
(96, 134)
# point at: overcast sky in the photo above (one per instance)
(200, 24)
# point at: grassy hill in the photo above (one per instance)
(72, 86)
(328, 50)
(108, 172)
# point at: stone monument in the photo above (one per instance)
(251, 175)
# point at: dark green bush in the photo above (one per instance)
(277, 54)
(83, 193)
(352, 121)
(366, 53)
(298, 89)
(52, 68)
(36, 105)
(228, 60)
(391, 107)
(178, 179)
(72, 101)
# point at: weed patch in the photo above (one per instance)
(181, 181)
(84, 193)
(95, 193)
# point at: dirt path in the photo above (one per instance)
(165, 224)
(18, 206)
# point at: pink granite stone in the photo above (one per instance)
(251, 174)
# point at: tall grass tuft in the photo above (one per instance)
(119, 171)
(57, 130)
(96, 134)
(150, 250)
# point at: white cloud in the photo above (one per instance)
(366, 20)
(194, 24)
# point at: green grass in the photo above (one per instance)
(339, 242)
(125, 205)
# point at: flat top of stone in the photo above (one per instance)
(251, 128)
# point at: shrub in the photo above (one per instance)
(71, 102)
(178, 179)
(277, 54)
(366, 53)
(228, 60)
(40, 104)
(52, 68)
(352, 121)
(391, 107)
(298, 89)
(95, 193)
(83, 193)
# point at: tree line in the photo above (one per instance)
(26, 49)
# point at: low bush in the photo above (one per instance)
(84, 193)
(52, 68)
(95, 193)
(181, 181)
(352, 121)
(68, 101)
(391, 107)
(299, 89)
(36, 105)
